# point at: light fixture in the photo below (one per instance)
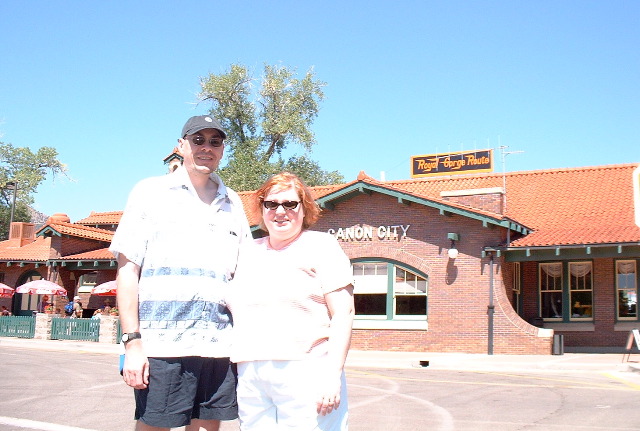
(453, 251)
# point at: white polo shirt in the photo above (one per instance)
(187, 252)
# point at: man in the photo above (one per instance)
(42, 305)
(177, 248)
(77, 308)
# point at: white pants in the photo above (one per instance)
(282, 395)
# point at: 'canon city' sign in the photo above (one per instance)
(366, 233)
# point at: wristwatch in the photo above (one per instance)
(126, 337)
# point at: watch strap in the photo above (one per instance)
(130, 336)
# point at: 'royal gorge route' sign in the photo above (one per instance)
(463, 162)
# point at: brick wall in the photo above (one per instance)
(458, 293)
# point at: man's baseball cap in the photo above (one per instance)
(201, 122)
(76, 297)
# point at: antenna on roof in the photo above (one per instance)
(503, 154)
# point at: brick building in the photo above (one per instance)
(478, 263)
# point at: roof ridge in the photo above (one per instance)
(80, 226)
(454, 177)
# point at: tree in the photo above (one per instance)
(22, 168)
(259, 132)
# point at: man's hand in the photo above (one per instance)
(136, 366)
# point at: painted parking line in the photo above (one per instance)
(37, 425)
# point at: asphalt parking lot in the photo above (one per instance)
(76, 387)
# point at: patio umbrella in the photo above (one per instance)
(105, 289)
(41, 287)
(6, 291)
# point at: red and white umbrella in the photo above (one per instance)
(105, 289)
(6, 291)
(41, 287)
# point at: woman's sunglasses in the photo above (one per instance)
(273, 205)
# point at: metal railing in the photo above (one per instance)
(75, 329)
(17, 326)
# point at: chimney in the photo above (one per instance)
(21, 233)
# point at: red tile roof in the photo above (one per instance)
(100, 254)
(37, 251)
(101, 218)
(572, 206)
(590, 205)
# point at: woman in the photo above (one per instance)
(292, 307)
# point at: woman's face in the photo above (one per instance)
(283, 223)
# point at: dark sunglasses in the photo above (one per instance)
(214, 142)
(273, 205)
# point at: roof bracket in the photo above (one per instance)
(364, 191)
(328, 206)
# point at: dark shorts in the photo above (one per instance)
(181, 389)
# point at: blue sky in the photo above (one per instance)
(109, 84)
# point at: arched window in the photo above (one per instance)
(389, 290)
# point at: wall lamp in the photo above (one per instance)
(453, 251)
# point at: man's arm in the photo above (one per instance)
(136, 364)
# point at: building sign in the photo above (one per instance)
(462, 162)
(366, 233)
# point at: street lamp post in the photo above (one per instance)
(12, 185)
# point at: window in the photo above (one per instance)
(370, 290)
(87, 282)
(376, 293)
(551, 290)
(581, 290)
(627, 288)
(88, 279)
(410, 291)
(570, 298)
(517, 287)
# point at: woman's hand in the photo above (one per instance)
(330, 396)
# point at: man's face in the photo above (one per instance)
(202, 151)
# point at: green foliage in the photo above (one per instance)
(26, 169)
(259, 131)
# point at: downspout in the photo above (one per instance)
(491, 307)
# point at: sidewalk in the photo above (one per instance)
(600, 362)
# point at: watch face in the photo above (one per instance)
(125, 338)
